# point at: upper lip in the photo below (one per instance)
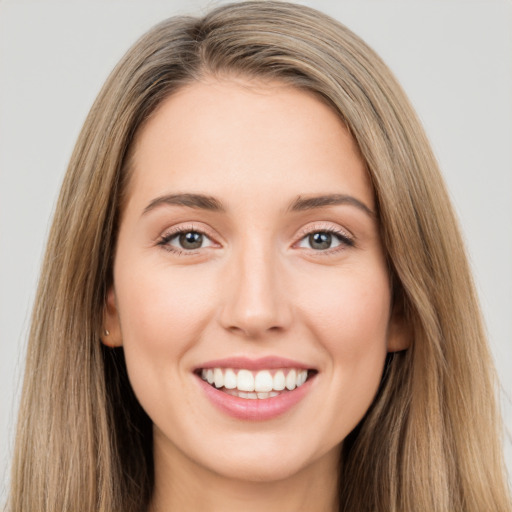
(262, 363)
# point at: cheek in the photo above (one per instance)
(349, 310)
(161, 303)
(162, 313)
(359, 323)
(349, 316)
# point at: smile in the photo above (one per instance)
(255, 389)
(262, 384)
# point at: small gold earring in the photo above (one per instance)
(106, 332)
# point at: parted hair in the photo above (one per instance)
(431, 441)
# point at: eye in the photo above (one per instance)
(185, 240)
(324, 240)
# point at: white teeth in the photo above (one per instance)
(230, 380)
(291, 380)
(248, 384)
(279, 381)
(263, 381)
(245, 381)
(250, 396)
(218, 378)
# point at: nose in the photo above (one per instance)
(255, 300)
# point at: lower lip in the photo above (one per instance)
(258, 409)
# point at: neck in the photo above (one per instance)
(181, 484)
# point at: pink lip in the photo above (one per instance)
(263, 363)
(255, 409)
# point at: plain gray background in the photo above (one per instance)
(453, 57)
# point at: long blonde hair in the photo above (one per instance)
(431, 439)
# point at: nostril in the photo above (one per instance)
(254, 306)
(253, 330)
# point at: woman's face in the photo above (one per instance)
(249, 253)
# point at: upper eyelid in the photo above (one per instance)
(185, 228)
(324, 226)
(345, 237)
(309, 228)
(166, 236)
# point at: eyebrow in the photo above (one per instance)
(310, 203)
(196, 201)
(210, 203)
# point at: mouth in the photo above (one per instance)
(256, 389)
(255, 385)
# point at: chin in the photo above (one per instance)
(269, 464)
(260, 469)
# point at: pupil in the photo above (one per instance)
(320, 240)
(191, 240)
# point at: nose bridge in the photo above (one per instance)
(254, 301)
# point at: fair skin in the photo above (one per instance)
(253, 271)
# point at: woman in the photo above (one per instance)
(255, 293)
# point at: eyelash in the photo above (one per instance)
(344, 239)
(165, 239)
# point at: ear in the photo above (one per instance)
(111, 330)
(399, 329)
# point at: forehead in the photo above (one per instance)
(216, 134)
